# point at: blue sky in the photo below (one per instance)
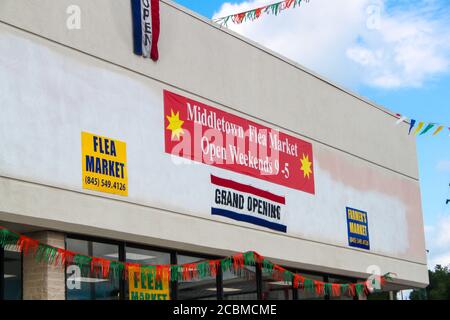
(396, 53)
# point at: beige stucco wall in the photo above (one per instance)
(43, 281)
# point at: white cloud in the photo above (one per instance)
(443, 233)
(442, 259)
(443, 166)
(355, 42)
(429, 229)
(438, 242)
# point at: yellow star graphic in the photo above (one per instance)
(175, 124)
(306, 166)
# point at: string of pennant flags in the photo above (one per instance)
(105, 268)
(253, 14)
(417, 127)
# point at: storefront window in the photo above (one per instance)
(273, 289)
(144, 286)
(81, 284)
(205, 289)
(240, 287)
(12, 274)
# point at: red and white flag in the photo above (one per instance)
(146, 28)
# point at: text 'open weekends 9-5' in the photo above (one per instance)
(204, 134)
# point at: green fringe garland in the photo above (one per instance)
(251, 15)
(359, 288)
(203, 270)
(175, 272)
(308, 284)
(50, 254)
(226, 264)
(276, 8)
(148, 269)
(46, 253)
(344, 288)
(249, 258)
(328, 288)
(82, 261)
(226, 19)
(388, 276)
(267, 266)
(8, 239)
(288, 276)
(116, 269)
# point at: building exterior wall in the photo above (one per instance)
(90, 81)
(42, 281)
(197, 56)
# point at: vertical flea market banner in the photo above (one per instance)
(145, 285)
(358, 229)
(146, 27)
(104, 164)
(202, 133)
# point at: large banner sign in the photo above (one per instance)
(198, 132)
(358, 229)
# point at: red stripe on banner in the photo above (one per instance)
(243, 146)
(154, 54)
(247, 189)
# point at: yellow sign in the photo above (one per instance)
(145, 285)
(104, 164)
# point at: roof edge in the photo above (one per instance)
(278, 56)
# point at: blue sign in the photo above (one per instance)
(358, 229)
